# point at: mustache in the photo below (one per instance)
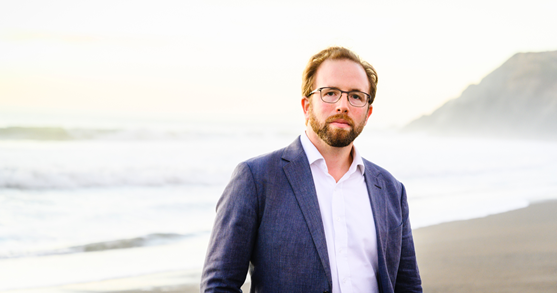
(340, 116)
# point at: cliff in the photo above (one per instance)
(518, 99)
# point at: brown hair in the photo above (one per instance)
(336, 53)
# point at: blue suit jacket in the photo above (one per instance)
(268, 220)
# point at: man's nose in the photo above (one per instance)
(342, 104)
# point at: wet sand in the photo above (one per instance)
(510, 252)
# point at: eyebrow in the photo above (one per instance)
(352, 90)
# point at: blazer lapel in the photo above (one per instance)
(378, 207)
(298, 173)
(376, 197)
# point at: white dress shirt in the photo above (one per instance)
(348, 223)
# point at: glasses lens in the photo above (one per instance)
(330, 95)
(357, 99)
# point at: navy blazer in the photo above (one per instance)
(268, 221)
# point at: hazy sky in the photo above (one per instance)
(224, 60)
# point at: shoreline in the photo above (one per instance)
(514, 251)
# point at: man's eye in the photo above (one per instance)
(356, 97)
(330, 93)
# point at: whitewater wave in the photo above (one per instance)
(71, 178)
(115, 158)
(147, 240)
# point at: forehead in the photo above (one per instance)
(344, 74)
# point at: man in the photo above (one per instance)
(315, 216)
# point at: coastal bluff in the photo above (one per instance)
(516, 100)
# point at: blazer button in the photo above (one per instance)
(325, 291)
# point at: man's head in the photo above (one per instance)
(335, 83)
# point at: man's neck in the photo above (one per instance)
(338, 159)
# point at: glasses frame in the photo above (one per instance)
(341, 92)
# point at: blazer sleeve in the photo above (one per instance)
(408, 276)
(233, 235)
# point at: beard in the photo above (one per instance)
(335, 137)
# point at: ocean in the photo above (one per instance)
(90, 203)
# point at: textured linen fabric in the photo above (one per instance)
(347, 221)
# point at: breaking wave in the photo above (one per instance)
(147, 240)
(61, 178)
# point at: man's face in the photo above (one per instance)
(340, 123)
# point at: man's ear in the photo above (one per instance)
(369, 113)
(305, 107)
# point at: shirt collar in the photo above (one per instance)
(314, 155)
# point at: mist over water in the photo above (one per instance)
(128, 196)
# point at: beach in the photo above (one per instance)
(509, 252)
(514, 251)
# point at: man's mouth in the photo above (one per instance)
(343, 122)
(340, 123)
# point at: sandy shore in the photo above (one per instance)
(509, 252)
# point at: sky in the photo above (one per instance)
(243, 60)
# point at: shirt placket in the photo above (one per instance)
(341, 238)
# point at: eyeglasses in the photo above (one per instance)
(331, 95)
